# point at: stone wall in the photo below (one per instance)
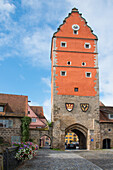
(36, 134)
(106, 132)
(7, 133)
(63, 119)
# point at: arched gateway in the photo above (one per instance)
(81, 132)
(75, 82)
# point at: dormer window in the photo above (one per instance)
(1, 108)
(110, 116)
(63, 44)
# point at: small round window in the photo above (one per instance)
(83, 64)
(75, 27)
(68, 62)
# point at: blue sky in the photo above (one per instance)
(26, 29)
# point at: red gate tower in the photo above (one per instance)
(75, 83)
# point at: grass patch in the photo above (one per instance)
(56, 149)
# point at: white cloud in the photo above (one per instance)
(47, 81)
(30, 36)
(37, 46)
(99, 16)
(47, 109)
(5, 6)
(5, 10)
(34, 103)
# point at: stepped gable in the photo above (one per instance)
(104, 112)
(38, 110)
(63, 28)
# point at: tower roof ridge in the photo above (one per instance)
(74, 10)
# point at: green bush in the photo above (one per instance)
(25, 128)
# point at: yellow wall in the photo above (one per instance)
(71, 137)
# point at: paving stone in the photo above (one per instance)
(47, 159)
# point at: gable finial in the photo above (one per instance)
(74, 9)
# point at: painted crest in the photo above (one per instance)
(69, 106)
(84, 107)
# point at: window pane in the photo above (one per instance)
(33, 119)
(1, 108)
(10, 123)
(1, 123)
(76, 89)
(63, 73)
(111, 116)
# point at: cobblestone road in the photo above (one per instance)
(102, 158)
(47, 159)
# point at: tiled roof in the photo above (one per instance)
(104, 112)
(14, 103)
(38, 110)
(101, 104)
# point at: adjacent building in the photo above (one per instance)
(71, 137)
(12, 109)
(38, 119)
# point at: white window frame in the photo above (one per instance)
(6, 123)
(90, 74)
(83, 62)
(2, 107)
(110, 115)
(33, 119)
(69, 64)
(63, 42)
(87, 44)
(61, 73)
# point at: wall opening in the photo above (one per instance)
(79, 137)
(106, 143)
(45, 142)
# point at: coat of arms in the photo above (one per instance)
(69, 106)
(84, 107)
